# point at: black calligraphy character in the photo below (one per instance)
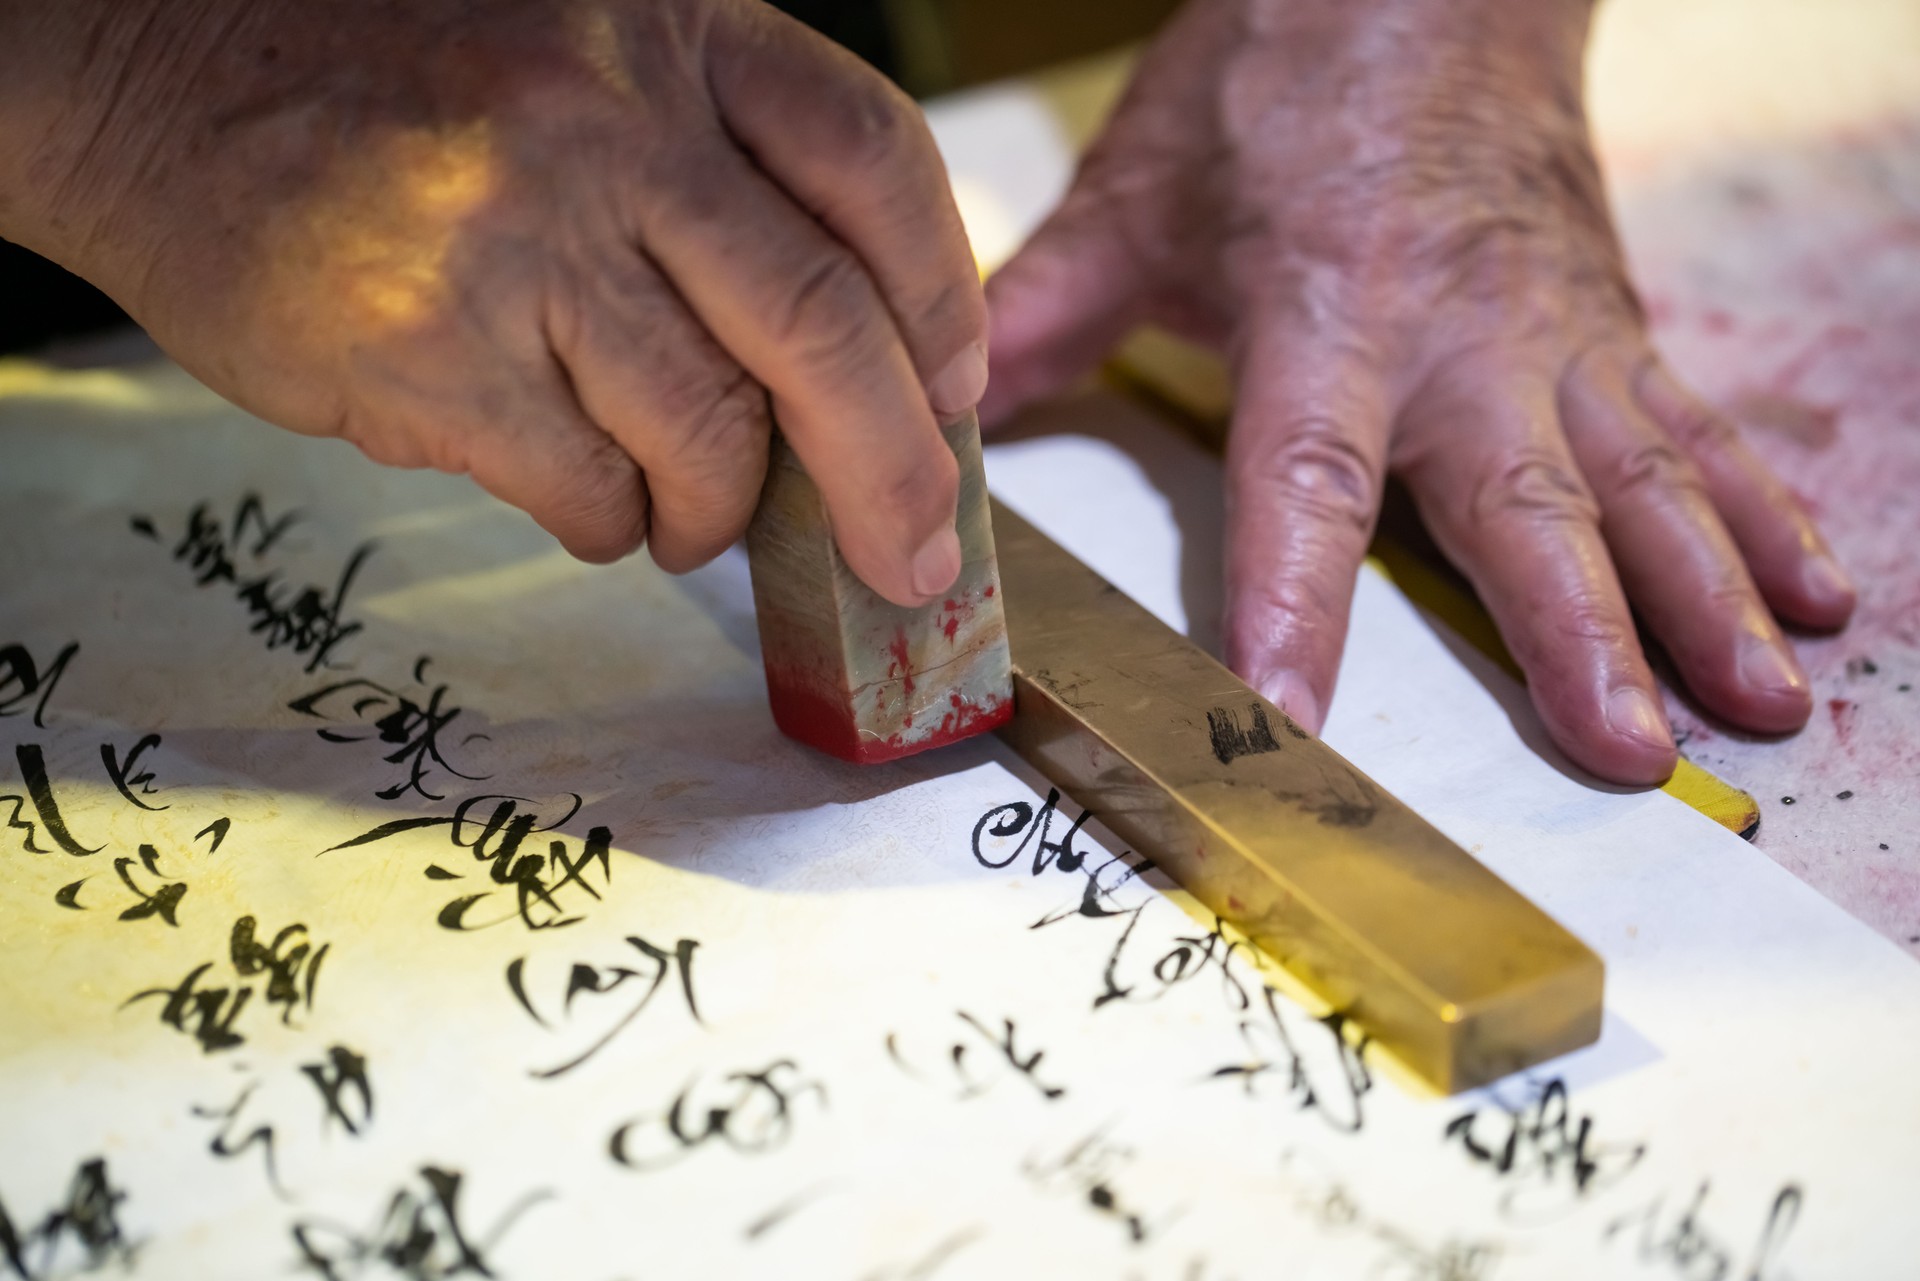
(33, 772)
(345, 1092)
(1335, 1210)
(419, 1236)
(1017, 817)
(207, 547)
(207, 1014)
(1453, 1259)
(89, 1217)
(163, 902)
(1003, 1041)
(761, 1224)
(121, 771)
(1695, 1252)
(312, 623)
(204, 547)
(343, 1070)
(1097, 899)
(227, 1143)
(1274, 1053)
(282, 962)
(21, 678)
(976, 1081)
(1089, 1168)
(537, 880)
(1540, 1146)
(756, 1117)
(604, 980)
(413, 729)
(1188, 957)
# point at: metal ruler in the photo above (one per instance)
(1441, 962)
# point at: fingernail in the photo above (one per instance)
(959, 387)
(1290, 692)
(1825, 580)
(1631, 712)
(1764, 665)
(937, 563)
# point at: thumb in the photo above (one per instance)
(1061, 303)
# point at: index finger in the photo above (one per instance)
(801, 314)
(1306, 463)
(856, 153)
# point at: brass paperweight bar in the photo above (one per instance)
(1355, 895)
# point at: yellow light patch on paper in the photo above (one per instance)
(365, 904)
(1377, 1058)
(102, 387)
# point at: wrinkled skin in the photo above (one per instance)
(1389, 216)
(576, 250)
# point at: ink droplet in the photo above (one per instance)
(1843, 796)
(1786, 800)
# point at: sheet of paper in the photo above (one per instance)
(387, 895)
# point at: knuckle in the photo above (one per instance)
(827, 316)
(1730, 594)
(1591, 623)
(955, 315)
(874, 125)
(1699, 429)
(558, 78)
(601, 514)
(1569, 629)
(717, 421)
(1531, 485)
(1654, 467)
(1285, 609)
(1319, 470)
(1491, 240)
(688, 180)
